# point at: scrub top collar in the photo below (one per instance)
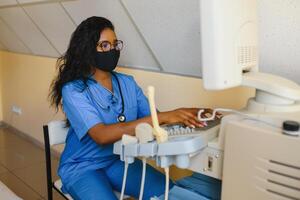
(104, 97)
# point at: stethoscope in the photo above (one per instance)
(121, 117)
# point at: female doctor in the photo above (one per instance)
(100, 106)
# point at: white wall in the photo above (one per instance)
(279, 24)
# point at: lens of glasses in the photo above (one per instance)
(107, 46)
(118, 45)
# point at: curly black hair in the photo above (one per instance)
(78, 61)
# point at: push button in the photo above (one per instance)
(291, 128)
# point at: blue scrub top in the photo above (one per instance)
(85, 108)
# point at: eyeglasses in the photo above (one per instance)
(107, 46)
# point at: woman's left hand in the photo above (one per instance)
(187, 116)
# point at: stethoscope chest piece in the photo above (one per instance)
(121, 118)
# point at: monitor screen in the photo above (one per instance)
(229, 42)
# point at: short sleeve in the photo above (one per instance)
(142, 103)
(79, 110)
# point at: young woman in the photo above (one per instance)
(100, 106)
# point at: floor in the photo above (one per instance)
(22, 167)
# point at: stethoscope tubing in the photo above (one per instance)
(121, 116)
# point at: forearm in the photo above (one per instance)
(107, 134)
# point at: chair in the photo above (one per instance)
(55, 133)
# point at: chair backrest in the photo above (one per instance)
(57, 132)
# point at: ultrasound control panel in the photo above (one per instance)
(178, 130)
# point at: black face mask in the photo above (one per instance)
(107, 61)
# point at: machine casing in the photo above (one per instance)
(260, 162)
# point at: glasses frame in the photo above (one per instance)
(112, 46)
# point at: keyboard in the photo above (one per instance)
(178, 130)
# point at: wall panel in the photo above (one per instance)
(136, 53)
(53, 22)
(8, 2)
(9, 39)
(280, 37)
(27, 31)
(172, 30)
